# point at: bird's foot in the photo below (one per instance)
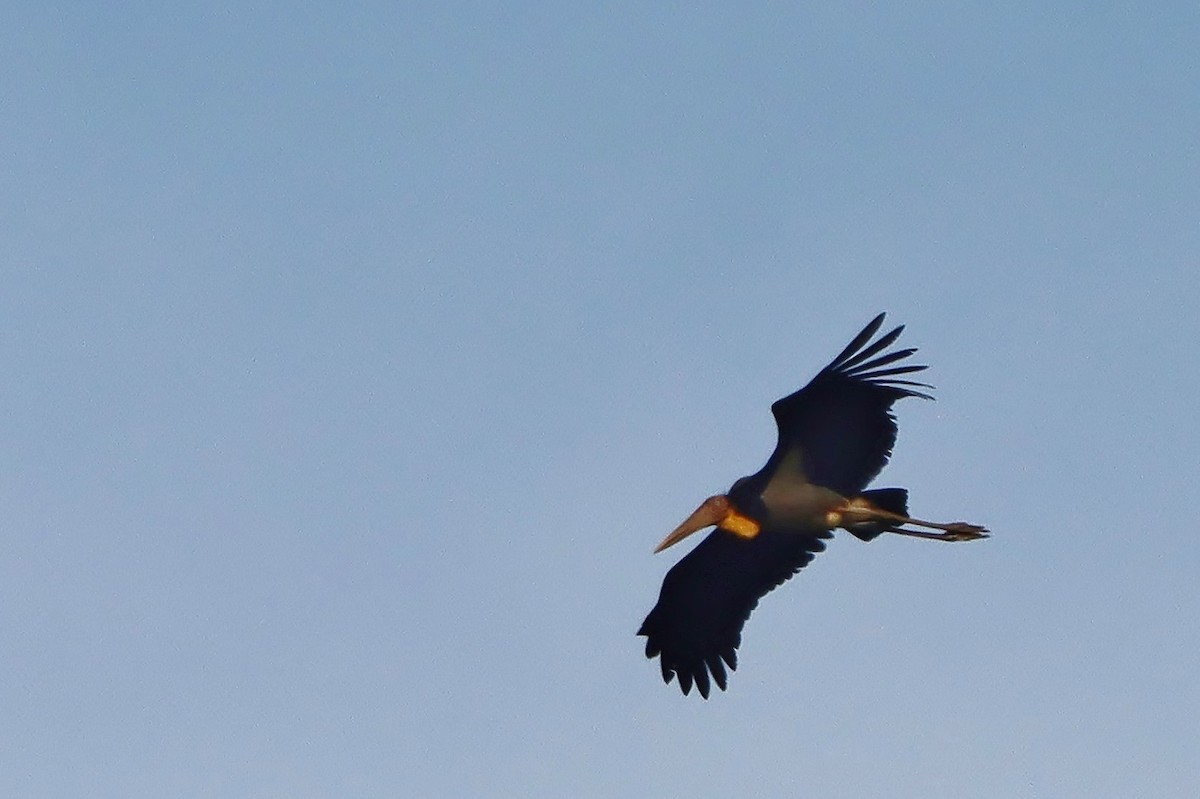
(963, 531)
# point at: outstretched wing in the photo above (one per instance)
(696, 626)
(841, 424)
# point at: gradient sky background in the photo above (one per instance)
(355, 357)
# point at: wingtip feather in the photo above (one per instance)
(883, 342)
(862, 338)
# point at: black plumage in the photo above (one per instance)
(834, 436)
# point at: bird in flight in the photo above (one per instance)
(835, 435)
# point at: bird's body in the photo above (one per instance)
(835, 435)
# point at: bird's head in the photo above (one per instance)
(717, 510)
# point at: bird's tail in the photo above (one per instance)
(892, 500)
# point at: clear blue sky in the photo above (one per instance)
(355, 357)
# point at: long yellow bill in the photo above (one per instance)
(717, 511)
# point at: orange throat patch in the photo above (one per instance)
(741, 526)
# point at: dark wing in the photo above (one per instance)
(696, 627)
(841, 422)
